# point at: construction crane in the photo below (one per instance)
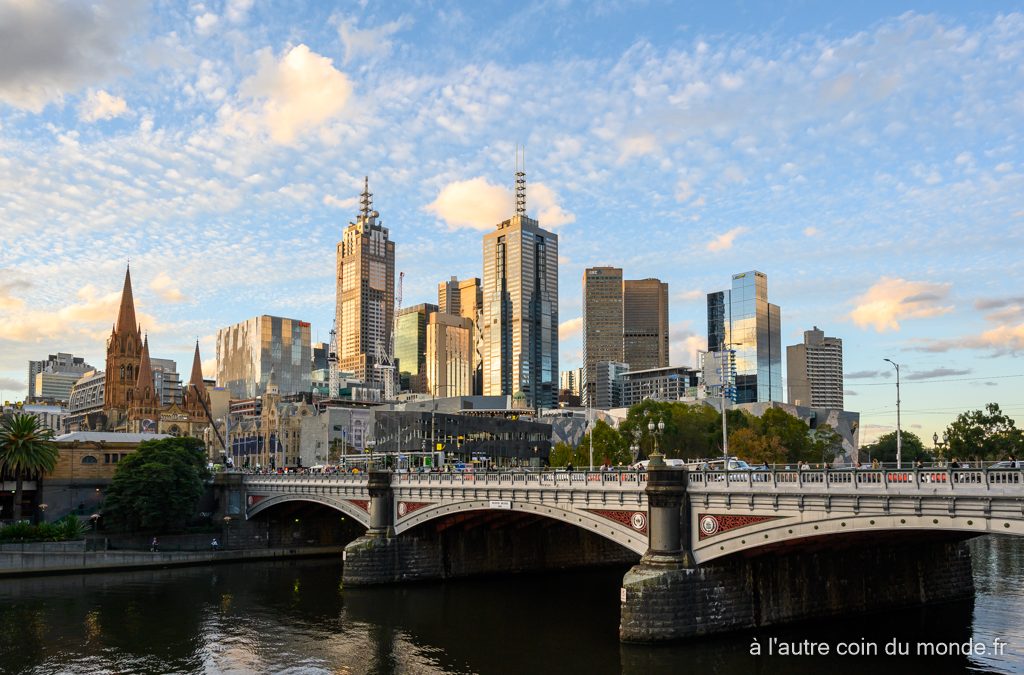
(386, 359)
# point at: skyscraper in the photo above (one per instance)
(365, 291)
(250, 350)
(411, 346)
(742, 320)
(814, 371)
(520, 316)
(645, 323)
(60, 363)
(602, 324)
(465, 299)
(449, 355)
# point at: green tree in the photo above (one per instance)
(884, 449)
(788, 435)
(158, 486)
(26, 448)
(987, 434)
(609, 445)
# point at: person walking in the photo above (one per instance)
(154, 545)
(215, 545)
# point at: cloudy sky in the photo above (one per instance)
(867, 158)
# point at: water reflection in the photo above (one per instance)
(295, 617)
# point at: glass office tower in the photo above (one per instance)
(742, 320)
(248, 351)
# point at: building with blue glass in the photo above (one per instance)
(745, 326)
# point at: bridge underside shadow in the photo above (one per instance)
(304, 523)
(480, 542)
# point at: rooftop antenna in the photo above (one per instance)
(366, 199)
(520, 182)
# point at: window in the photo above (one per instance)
(88, 459)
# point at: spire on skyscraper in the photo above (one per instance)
(521, 182)
(366, 199)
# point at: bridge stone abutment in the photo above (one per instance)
(667, 597)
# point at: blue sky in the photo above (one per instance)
(866, 156)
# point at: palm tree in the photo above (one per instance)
(26, 448)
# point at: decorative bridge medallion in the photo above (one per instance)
(253, 500)
(711, 524)
(363, 504)
(405, 508)
(635, 520)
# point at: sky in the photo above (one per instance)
(866, 156)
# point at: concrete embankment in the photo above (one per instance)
(27, 563)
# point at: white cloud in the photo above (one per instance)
(348, 203)
(637, 146)
(301, 91)
(206, 23)
(683, 191)
(236, 11)
(811, 232)
(371, 42)
(91, 316)
(166, 288)
(479, 204)
(890, 301)
(50, 48)
(570, 328)
(725, 241)
(99, 105)
(689, 295)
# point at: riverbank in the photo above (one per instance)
(33, 563)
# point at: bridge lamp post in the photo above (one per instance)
(899, 434)
(656, 430)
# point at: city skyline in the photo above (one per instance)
(841, 154)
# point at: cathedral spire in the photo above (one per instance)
(126, 322)
(197, 371)
(145, 380)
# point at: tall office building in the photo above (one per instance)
(814, 371)
(248, 351)
(520, 317)
(465, 299)
(449, 358)
(411, 346)
(59, 363)
(742, 320)
(608, 384)
(602, 324)
(645, 323)
(365, 292)
(166, 381)
(571, 381)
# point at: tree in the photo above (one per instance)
(609, 445)
(986, 434)
(158, 486)
(789, 434)
(884, 449)
(26, 448)
(828, 443)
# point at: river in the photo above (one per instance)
(294, 617)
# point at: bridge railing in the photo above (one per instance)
(556, 479)
(856, 479)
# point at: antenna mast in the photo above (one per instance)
(332, 363)
(521, 182)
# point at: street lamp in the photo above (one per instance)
(899, 435)
(940, 445)
(656, 430)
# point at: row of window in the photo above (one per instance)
(108, 458)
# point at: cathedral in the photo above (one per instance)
(130, 400)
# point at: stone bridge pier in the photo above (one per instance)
(667, 596)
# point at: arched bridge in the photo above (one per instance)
(704, 514)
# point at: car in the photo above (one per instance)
(1007, 464)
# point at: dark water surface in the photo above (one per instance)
(294, 617)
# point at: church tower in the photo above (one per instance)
(124, 356)
(145, 404)
(196, 399)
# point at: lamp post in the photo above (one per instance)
(656, 430)
(590, 430)
(899, 434)
(940, 445)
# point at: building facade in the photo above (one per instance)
(673, 383)
(67, 365)
(814, 371)
(365, 297)
(645, 323)
(124, 353)
(411, 346)
(249, 351)
(602, 324)
(608, 384)
(741, 320)
(449, 357)
(85, 405)
(520, 312)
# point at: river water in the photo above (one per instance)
(294, 617)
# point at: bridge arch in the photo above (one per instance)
(628, 536)
(344, 506)
(787, 529)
